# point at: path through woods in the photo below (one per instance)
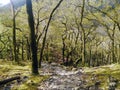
(61, 78)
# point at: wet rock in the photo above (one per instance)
(7, 87)
(62, 78)
(54, 64)
(112, 83)
(74, 69)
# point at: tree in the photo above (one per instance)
(83, 33)
(14, 30)
(111, 22)
(46, 31)
(32, 37)
(84, 27)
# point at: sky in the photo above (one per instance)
(3, 2)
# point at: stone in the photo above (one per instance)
(74, 69)
(62, 78)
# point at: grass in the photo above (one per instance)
(102, 74)
(10, 69)
(31, 84)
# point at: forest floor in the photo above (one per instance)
(56, 77)
(69, 78)
(28, 81)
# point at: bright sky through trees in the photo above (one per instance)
(3, 2)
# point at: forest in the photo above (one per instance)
(60, 45)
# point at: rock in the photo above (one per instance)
(74, 69)
(112, 84)
(7, 87)
(30, 82)
(97, 83)
(19, 81)
(111, 88)
(54, 64)
(25, 78)
(78, 72)
(62, 78)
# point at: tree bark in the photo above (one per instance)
(28, 51)
(32, 37)
(119, 54)
(63, 49)
(90, 57)
(9, 80)
(113, 44)
(22, 49)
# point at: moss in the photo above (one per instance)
(102, 73)
(10, 69)
(31, 84)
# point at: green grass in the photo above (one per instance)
(10, 69)
(102, 74)
(31, 84)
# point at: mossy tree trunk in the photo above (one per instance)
(22, 55)
(90, 55)
(28, 51)
(63, 49)
(14, 30)
(32, 37)
(83, 33)
(119, 54)
(113, 44)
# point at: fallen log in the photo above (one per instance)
(9, 80)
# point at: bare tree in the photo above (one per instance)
(46, 31)
(32, 37)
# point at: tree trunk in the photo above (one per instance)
(63, 50)
(47, 54)
(83, 50)
(22, 49)
(90, 52)
(14, 31)
(102, 58)
(96, 54)
(9, 80)
(83, 33)
(28, 51)
(119, 53)
(113, 45)
(46, 31)
(32, 37)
